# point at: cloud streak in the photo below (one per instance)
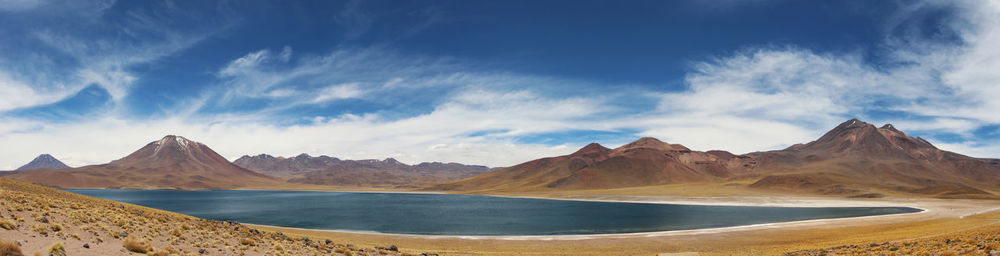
(426, 108)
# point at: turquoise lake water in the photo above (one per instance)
(436, 214)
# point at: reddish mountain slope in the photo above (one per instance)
(853, 159)
(856, 156)
(170, 163)
(325, 170)
(646, 161)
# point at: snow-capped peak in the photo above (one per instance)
(180, 142)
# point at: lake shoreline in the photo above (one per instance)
(940, 217)
(694, 225)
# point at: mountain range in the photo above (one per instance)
(325, 170)
(43, 161)
(173, 162)
(853, 159)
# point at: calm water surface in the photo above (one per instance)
(432, 214)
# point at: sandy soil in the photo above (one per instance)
(34, 218)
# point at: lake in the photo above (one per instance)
(438, 214)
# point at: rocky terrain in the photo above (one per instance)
(44, 221)
(173, 162)
(980, 241)
(854, 159)
(325, 170)
(43, 161)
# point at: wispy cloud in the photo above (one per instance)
(19, 5)
(74, 34)
(433, 108)
(340, 91)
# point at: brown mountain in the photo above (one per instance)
(325, 170)
(856, 156)
(646, 161)
(853, 159)
(43, 161)
(173, 162)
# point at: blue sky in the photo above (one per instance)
(488, 82)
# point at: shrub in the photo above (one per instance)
(8, 224)
(57, 249)
(138, 245)
(40, 228)
(247, 241)
(8, 248)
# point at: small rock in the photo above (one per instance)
(201, 251)
(86, 246)
(123, 234)
(44, 219)
(393, 248)
(328, 241)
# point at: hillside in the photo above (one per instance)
(853, 159)
(43, 161)
(857, 157)
(325, 170)
(47, 221)
(644, 162)
(173, 162)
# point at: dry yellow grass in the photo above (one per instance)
(8, 248)
(57, 249)
(85, 225)
(138, 245)
(8, 224)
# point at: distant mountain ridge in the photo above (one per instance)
(326, 170)
(853, 159)
(43, 161)
(646, 161)
(173, 162)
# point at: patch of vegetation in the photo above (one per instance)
(8, 224)
(8, 248)
(51, 212)
(57, 249)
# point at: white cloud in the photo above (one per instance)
(337, 92)
(756, 99)
(437, 136)
(281, 93)
(769, 98)
(140, 36)
(974, 76)
(970, 148)
(246, 64)
(15, 94)
(735, 134)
